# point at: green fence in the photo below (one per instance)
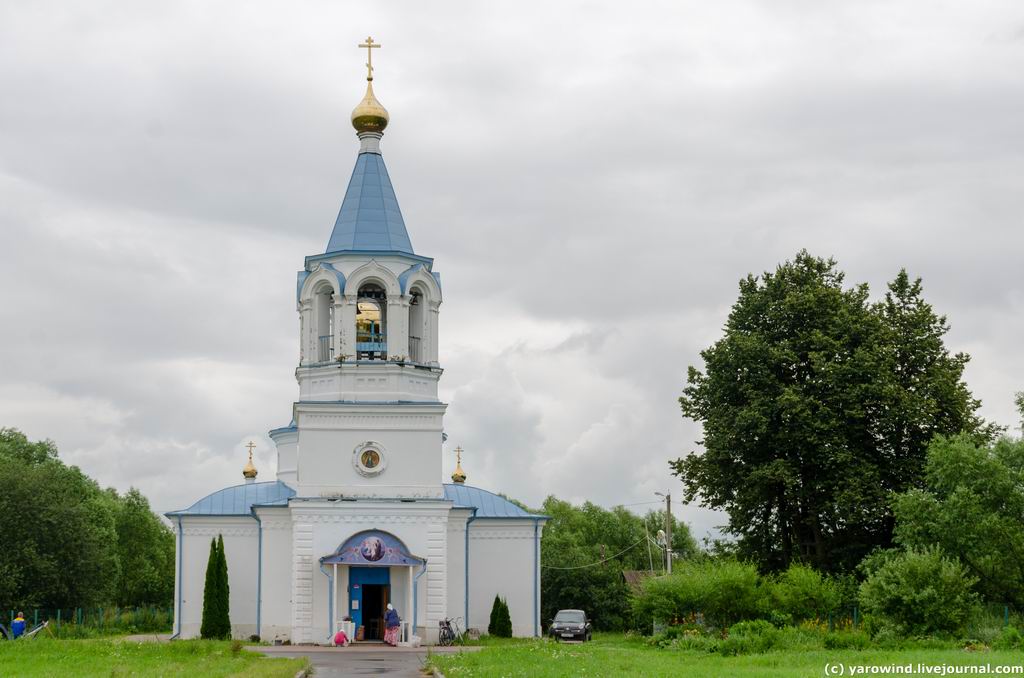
(87, 622)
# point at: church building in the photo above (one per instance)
(358, 515)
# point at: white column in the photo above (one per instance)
(334, 597)
(432, 319)
(408, 604)
(338, 315)
(398, 326)
(307, 347)
(345, 322)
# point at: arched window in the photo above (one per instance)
(323, 308)
(416, 329)
(371, 323)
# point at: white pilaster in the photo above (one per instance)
(347, 327)
(302, 582)
(433, 320)
(398, 326)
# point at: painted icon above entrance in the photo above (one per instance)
(372, 548)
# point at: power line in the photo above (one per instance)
(639, 503)
(604, 560)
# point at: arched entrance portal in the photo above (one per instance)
(369, 570)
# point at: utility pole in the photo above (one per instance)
(668, 530)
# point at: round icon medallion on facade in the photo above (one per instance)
(369, 459)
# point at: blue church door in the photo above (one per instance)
(369, 592)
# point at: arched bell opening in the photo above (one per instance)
(323, 318)
(371, 323)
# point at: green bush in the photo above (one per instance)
(501, 620)
(1009, 639)
(759, 636)
(920, 592)
(847, 640)
(684, 637)
(749, 637)
(801, 593)
(719, 592)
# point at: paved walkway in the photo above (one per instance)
(361, 660)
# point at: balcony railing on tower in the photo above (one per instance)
(371, 346)
(414, 349)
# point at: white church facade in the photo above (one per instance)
(358, 515)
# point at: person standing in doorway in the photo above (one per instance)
(391, 624)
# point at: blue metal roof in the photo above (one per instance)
(487, 504)
(369, 219)
(239, 500)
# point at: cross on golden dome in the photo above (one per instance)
(370, 45)
(459, 476)
(369, 115)
(249, 472)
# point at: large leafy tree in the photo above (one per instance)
(56, 529)
(145, 549)
(816, 405)
(65, 543)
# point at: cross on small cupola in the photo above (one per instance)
(459, 476)
(249, 472)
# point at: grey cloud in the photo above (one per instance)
(592, 198)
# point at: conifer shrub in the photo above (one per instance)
(216, 623)
(501, 619)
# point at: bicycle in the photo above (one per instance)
(448, 633)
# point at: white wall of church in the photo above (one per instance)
(241, 551)
(457, 560)
(504, 561)
(409, 438)
(276, 596)
(319, 527)
(287, 443)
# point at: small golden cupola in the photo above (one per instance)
(249, 472)
(459, 476)
(369, 115)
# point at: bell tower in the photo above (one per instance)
(368, 422)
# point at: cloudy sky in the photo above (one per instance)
(592, 178)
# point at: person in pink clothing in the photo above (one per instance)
(391, 624)
(340, 639)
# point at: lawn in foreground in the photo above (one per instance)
(613, 656)
(112, 657)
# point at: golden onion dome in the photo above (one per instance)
(369, 115)
(249, 472)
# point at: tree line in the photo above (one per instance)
(68, 543)
(585, 550)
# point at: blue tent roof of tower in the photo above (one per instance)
(369, 219)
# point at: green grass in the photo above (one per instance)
(109, 658)
(615, 655)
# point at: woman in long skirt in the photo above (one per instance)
(391, 624)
